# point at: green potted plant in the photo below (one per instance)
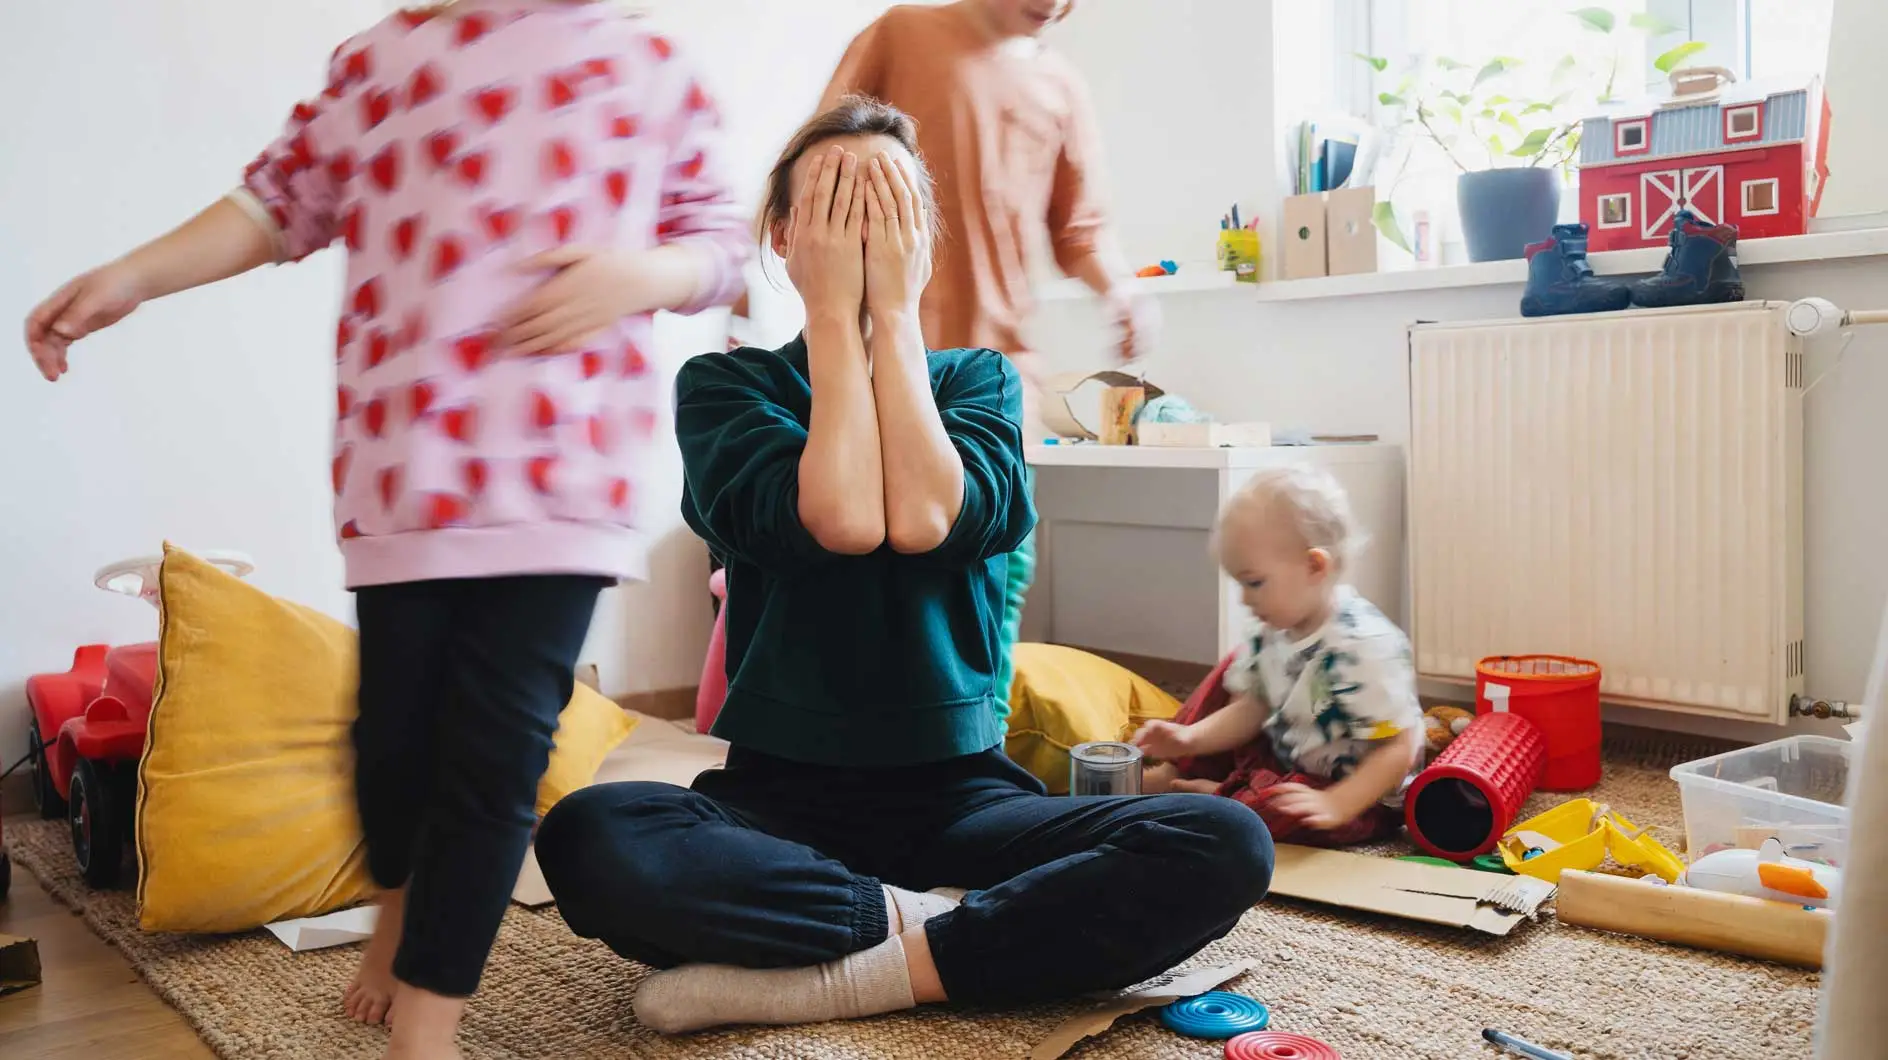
(1508, 131)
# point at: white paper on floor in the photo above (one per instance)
(320, 932)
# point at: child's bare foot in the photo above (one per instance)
(369, 997)
(428, 1028)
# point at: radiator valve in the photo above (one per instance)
(1805, 707)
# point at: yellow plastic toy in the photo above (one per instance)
(1580, 834)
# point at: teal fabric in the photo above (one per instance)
(877, 660)
(1020, 576)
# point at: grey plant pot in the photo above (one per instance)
(1503, 210)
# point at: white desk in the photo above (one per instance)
(1122, 543)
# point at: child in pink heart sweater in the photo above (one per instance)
(519, 184)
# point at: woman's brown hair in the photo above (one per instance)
(851, 116)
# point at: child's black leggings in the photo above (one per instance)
(461, 685)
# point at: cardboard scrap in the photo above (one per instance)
(19, 964)
(1060, 400)
(1161, 992)
(1481, 901)
(656, 750)
(332, 929)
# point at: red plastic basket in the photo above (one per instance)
(1472, 792)
(1561, 695)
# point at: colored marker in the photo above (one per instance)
(1522, 1048)
(1235, 216)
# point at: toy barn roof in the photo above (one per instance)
(1698, 128)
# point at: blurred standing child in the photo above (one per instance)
(1006, 126)
(1324, 726)
(520, 184)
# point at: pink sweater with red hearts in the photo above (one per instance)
(448, 147)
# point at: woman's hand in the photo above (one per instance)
(91, 302)
(1164, 739)
(897, 239)
(825, 249)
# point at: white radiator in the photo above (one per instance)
(1622, 487)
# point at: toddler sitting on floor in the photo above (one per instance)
(1323, 728)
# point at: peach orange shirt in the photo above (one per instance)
(1012, 144)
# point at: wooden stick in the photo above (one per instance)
(1711, 920)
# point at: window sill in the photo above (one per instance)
(1192, 276)
(1816, 246)
(1204, 276)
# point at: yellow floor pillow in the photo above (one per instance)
(1065, 696)
(245, 811)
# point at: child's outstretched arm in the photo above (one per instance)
(284, 210)
(1232, 726)
(222, 241)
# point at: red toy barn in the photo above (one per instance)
(1750, 154)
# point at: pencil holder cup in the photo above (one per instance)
(1239, 254)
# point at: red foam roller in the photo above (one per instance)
(1472, 792)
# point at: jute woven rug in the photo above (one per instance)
(1375, 988)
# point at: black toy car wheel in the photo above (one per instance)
(45, 796)
(99, 823)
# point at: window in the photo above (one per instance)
(1616, 211)
(1629, 136)
(1743, 123)
(1761, 198)
(1753, 38)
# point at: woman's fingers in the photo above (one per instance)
(823, 191)
(845, 192)
(882, 194)
(874, 204)
(856, 212)
(906, 189)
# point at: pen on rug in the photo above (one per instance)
(1521, 1048)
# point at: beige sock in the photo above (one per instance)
(696, 996)
(905, 910)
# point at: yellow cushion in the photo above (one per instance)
(1065, 696)
(589, 728)
(245, 810)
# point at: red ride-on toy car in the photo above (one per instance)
(85, 728)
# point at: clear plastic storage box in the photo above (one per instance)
(1791, 788)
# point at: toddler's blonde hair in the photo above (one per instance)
(1307, 499)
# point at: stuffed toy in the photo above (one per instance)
(1443, 724)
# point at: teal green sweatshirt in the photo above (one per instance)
(875, 660)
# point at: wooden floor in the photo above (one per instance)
(91, 1006)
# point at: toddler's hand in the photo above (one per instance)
(1316, 809)
(92, 302)
(589, 289)
(1164, 739)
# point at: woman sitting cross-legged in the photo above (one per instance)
(865, 491)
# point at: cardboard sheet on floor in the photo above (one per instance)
(19, 964)
(331, 929)
(1163, 991)
(1464, 898)
(657, 750)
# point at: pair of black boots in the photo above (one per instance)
(1700, 269)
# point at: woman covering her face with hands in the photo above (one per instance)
(864, 491)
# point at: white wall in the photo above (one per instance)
(1339, 365)
(205, 418)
